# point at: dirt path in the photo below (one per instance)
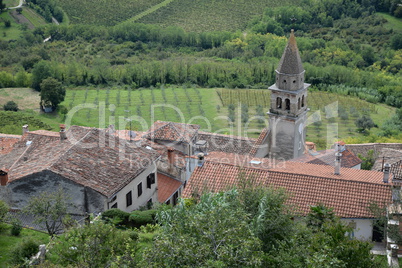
(20, 19)
(19, 5)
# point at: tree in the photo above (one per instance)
(212, 233)
(52, 92)
(49, 208)
(19, 10)
(364, 122)
(10, 106)
(2, 6)
(40, 71)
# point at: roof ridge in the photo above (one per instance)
(299, 174)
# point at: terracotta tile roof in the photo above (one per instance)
(349, 198)
(327, 157)
(7, 142)
(367, 176)
(90, 157)
(170, 131)
(227, 143)
(45, 133)
(124, 134)
(241, 160)
(260, 141)
(167, 186)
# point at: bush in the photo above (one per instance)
(11, 106)
(23, 251)
(116, 216)
(140, 218)
(7, 23)
(16, 227)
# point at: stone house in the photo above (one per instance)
(96, 170)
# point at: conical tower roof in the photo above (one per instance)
(290, 62)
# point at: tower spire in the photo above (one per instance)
(290, 62)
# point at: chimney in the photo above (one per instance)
(3, 178)
(387, 168)
(63, 135)
(201, 159)
(25, 129)
(338, 163)
(170, 157)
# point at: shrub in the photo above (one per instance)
(7, 23)
(139, 218)
(11, 106)
(23, 251)
(116, 216)
(16, 227)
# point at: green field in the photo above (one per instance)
(8, 33)
(8, 242)
(108, 12)
(33, 17)
(203, 106)
(393, 23)
(210, 15)
(11, 3)
(206, 107)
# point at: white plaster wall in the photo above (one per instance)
(364, 228)
(147, 193)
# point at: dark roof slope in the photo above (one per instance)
(327, 157)
(227, 143)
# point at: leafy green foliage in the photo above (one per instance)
(52, 92)
(40, 72)
(49, 208)
(368, 160)
(116, 216)
(200, 236)
(11, 122)
(21, 253)
(3, 210)
(10, 106)
(364, 122)
(95, 245)
(139, 218)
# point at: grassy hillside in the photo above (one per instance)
(108, 12)
(210, 15)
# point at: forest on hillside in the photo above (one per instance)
(347, 47)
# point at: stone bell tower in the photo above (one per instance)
(288, 112)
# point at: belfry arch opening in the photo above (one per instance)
(287, 104)
(279, 103)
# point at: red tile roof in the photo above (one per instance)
(260, 141)
(227, 143)
(90, 157)
(241, 160)
(170, 131)
(7, 142)
(327, 157)
(349, 197)
(167, 186)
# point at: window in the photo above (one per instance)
(278, 103)
(139, 189)
(114, 198)
(150, 180)
(298, 103)
(114, 205)
(287, 103)
(302, 101)
(129, 199)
